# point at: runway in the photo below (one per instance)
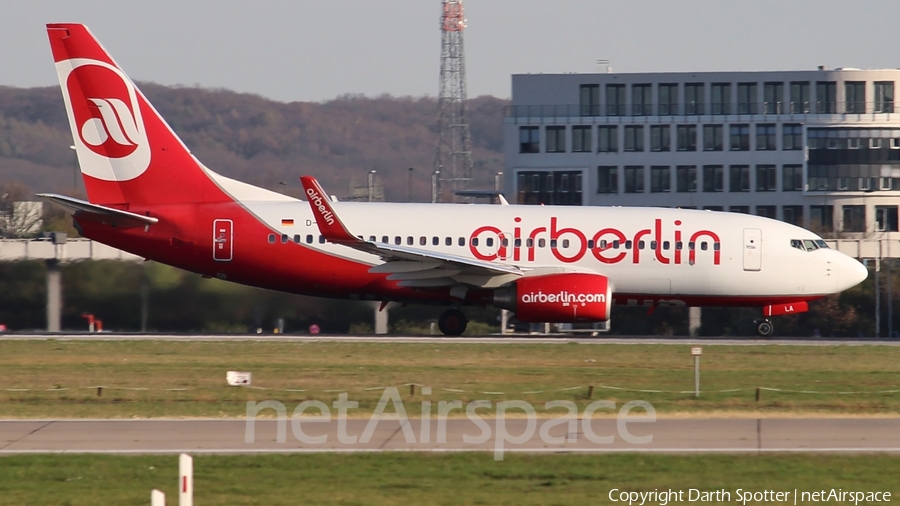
(491, 339)
(218, 436)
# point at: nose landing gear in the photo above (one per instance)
(452, 322)
(764, 327)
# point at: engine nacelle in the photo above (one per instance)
(557, 298)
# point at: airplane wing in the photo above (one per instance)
(410, 266)
(98, 212)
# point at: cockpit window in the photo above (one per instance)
(810, 245)
(797, 243)
(820, 243)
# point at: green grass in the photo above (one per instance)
(408, 478)
(188, 378)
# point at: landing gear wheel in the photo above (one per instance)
(452, 322)
(764, 327)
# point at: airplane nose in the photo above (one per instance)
(851, 273)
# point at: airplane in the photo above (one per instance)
(148, 195)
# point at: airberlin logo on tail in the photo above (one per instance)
(565, 298)
(105, 116)
(319, 203)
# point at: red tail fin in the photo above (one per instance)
(127, 152)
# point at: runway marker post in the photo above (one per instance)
(696, 351)
(157, 498)
(185, 480)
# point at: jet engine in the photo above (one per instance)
(557, 298)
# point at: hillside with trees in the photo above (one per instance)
(261, 141)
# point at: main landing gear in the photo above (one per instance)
(764, 327)
(452, 322)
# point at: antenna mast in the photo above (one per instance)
(454, 151)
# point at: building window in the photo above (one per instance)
(821, 218)
(884, 96)
(792, 136)
(634, 138)
(607, 179)
(792, 178)
(660, 179)
(766, 178)
(773, 94)
(739, 209)
(826, 100)
(739, 178)
(687, 137)
(792, 215)
(740, 138)
(686, 178)
(529, 141)
(721, 98)
(854, 218)
(712, 178)
(886, 218)
(713, 208)
(634, 179)
(668, 99)
(615, 100)
(746, 98)
(561, 188)
(693, 99)
(765, 137)
(607, 139)
(660, 139)
(712, 137)
(855, 96)
(799, 97)
(589, 99)
(556, 139)
(642, 99)
(581, 139)
(766, 211)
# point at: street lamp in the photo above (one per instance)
(409, 190)
(435, 182)
(371, 186)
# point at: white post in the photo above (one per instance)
(157, 498)
(696, 376)
(185, 480)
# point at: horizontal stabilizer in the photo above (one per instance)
(118, 216)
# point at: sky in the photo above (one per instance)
(304, 50)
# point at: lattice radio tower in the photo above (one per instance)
(454, 151)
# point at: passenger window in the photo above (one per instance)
(615, 244)
(518, 243)
(359, 237)
(797, 243)
(475, 241)
(448, 241)
(284, 238)
(666, 245)
(504, 242)
(603, 244)
(653, 245)
(371, 238)
(398, 240)
(271, 238)
(679, 245)
(309, 239)
(385, 239)
(409, 240)
(627, 244)
(717, 246)
(542, 243)
(590, 244)
(529, 243)
(565, 243)
(640, 244)
(435, 241)
(321, 239)
(297, 238)
(553, 243)
(423, 241)
(489, 242)
(810, 245)
(692, 245)
(704, 246)
(462, 241)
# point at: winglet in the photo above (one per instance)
(329, 224)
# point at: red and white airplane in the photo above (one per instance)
(150, 196)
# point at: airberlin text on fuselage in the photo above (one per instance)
(317, 201)
(667, 249)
